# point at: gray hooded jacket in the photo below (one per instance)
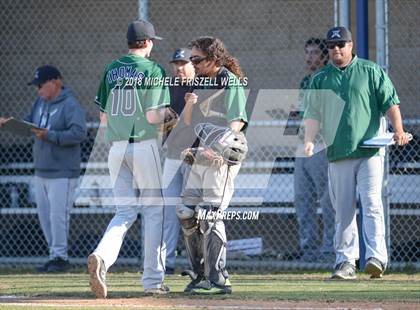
(59, 155)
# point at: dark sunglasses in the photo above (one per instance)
(332, 45)
(197, 59)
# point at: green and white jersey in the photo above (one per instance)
(125, 96)
(223, 102)
(220, 102)
(235, 101)
(367, 93)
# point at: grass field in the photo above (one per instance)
(394, 291)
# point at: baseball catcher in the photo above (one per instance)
(208, 190)
(214, 161)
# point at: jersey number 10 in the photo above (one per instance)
(124, 101)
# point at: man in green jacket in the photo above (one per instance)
(365, 94)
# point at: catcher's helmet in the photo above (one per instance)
(231, 145)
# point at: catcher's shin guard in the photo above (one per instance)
(214, 251)
(192, 237)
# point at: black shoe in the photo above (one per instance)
(44, 268)
(170, 270)
(209, 288)
(59, 265)
(195, 280)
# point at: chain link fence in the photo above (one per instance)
(268, 38)
(404, 168)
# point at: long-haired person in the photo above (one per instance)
(217, 98)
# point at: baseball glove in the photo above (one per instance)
(169, 122)
(231, 146)
(202, 156)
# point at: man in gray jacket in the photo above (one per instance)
(56, 153)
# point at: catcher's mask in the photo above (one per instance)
(231, 145)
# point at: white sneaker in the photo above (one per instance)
(374, 267)
(97, 272)
(157, 290)
(344, 271)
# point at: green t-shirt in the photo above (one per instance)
(235, 100)
(363, 92)
(221, 100)
(126, 95)
(226, 100)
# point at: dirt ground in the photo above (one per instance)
(186, 303)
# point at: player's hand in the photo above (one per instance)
(401, 138)
(40, 133)
(208, 153)
(309, 149)
(4, 120)
(190, 98)
(214, 158)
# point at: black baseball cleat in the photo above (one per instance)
(44, 268)
(209, 288)
(169, 270)
(56, 264)
(195, 280)
(59, 265)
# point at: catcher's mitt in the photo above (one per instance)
(169, 122)
(230, 145)
(202, 156)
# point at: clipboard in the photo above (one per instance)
(293, 124)
(382, 140)
(19, 127)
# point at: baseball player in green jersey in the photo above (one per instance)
(130, 108)
(368, 94)
(209, 186)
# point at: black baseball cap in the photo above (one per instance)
(44, 74)
(181, 54)
(139, 30)
(338, 34)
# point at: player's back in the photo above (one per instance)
(130, 86)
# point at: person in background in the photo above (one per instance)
(173, 172)
(56, 153)
(311, 177)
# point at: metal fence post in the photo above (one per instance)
(382, 60)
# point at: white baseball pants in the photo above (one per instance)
(347, 178)
(136, 172)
